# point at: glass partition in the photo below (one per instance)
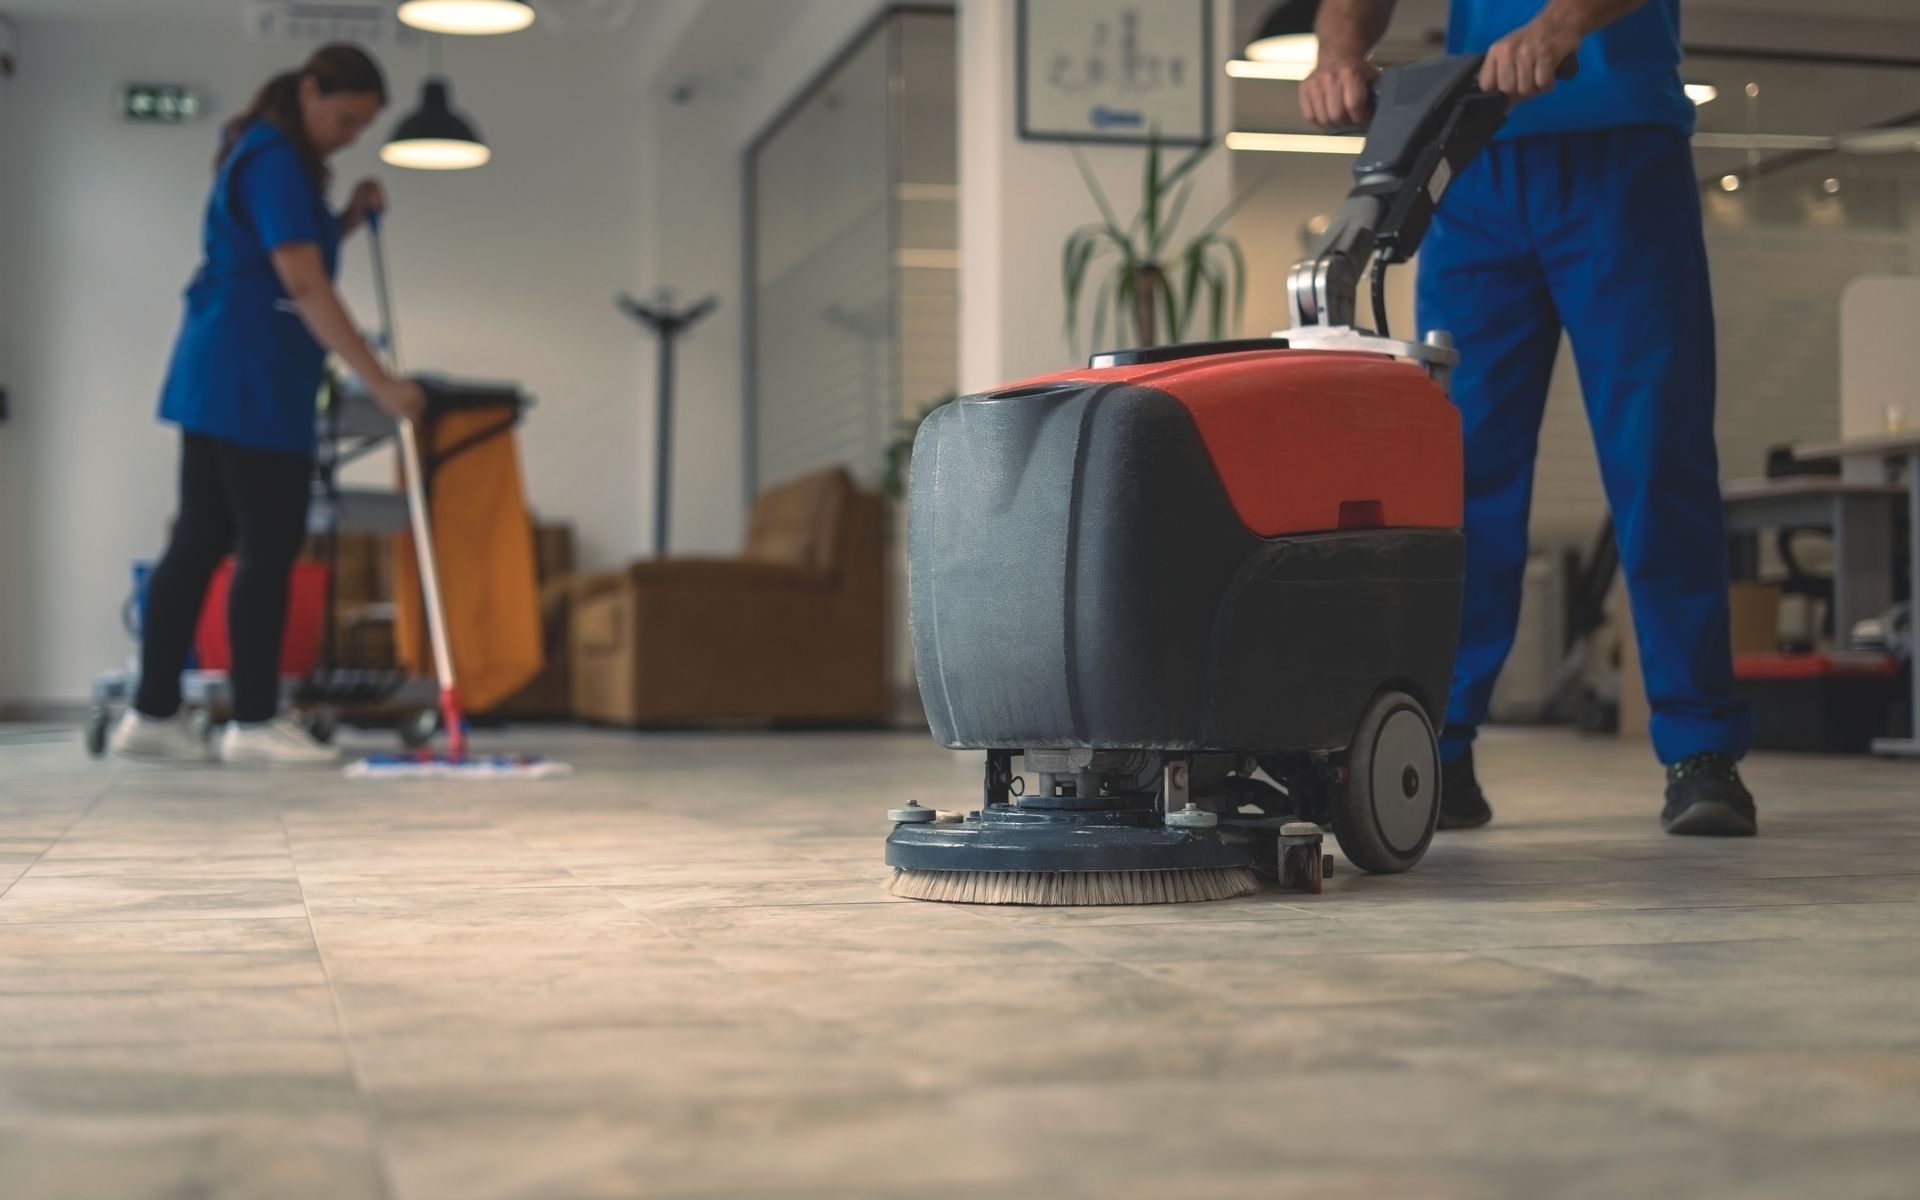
(852, 259)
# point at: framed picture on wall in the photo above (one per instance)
(1116, 70)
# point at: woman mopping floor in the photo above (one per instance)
(261, 315)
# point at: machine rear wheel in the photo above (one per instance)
(1385, 811)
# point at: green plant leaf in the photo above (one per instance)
(1075, 257)
(1087, 245)
(1100, 309)
(1236, 273)
(1216, 297)
(1174, 213)
(1194, 263)
(1150, 195)
(1099, 194)
(1170, 312)
(1187, 164)
(1233, 206)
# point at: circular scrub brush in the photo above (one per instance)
(1074, 887)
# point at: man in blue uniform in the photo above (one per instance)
(1583, 215)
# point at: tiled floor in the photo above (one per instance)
(676, 974)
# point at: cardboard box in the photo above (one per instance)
(1756, 617)
(553, 551)
(1756, 630)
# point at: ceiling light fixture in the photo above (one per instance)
(1729, 183)
(471, 17)
(1701, 93)
(433, 137)
(1287, 34)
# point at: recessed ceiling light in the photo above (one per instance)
(1729, 183)
(1830, 186)
(1701, 93)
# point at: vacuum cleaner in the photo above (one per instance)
(1208, 594)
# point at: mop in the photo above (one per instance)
(424, 764)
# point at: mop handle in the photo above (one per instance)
(417, 513)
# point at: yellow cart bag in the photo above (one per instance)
(489, 583)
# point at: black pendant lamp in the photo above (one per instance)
(1286, 36)
(433, 137)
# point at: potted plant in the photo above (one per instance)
(1153, 287)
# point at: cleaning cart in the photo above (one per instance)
(351, 427)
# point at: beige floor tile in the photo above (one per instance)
(676, 974)
(233, 1156)
(48, 1019)
(34, 899)
(157, 955)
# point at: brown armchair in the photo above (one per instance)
(792, 630)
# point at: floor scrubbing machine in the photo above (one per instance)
(1208, 594)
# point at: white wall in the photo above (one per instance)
(507, 272)
(13, 507)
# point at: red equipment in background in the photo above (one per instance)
(306, 620)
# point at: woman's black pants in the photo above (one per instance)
(251, 503)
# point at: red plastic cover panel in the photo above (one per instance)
(1307, 441)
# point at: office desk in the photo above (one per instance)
(1883, 448)
(1860, 515)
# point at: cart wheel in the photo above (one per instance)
(418, 727)
(95, 733)
(1385, 811)
(323, 723)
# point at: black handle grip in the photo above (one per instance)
(1568, 69)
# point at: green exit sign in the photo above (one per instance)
(160, 103)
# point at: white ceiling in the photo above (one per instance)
(230, 10)
(95, 10)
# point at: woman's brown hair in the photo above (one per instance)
(336, 67)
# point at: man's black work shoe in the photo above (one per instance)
(1462, 804)
(1706, 798)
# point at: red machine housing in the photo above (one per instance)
(1307, 441)
(1227, 549)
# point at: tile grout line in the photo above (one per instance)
(105, 787)
(369, 1114)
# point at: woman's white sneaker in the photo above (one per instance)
(279, 742)
(155, 739)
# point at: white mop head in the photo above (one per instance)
(439, 766)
